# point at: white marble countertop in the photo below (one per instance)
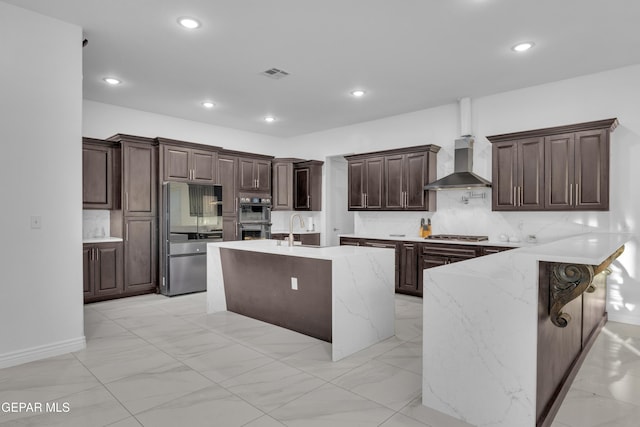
(402, 238)
(101, 239)
(589, 248)
(272, 247)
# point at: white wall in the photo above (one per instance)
(41, 307)
(103, 120)
(593, 97)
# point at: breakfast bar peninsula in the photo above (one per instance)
(341, 294)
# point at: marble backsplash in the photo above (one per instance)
(475, 217)
(280, 220)
(95, 223)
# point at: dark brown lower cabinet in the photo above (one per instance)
(102, 270)
(562, 350)
(141, 255)
(311, 239)
(408, 282)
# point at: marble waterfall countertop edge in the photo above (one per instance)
(272, 247)
(101, 239)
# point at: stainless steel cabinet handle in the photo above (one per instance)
(520, 197)
(126, 233)
(97, 254)
(570, 194)
(236, 207)
(362, 199)
(515, 199)
(577, 194)
(126, 199)
(309, 201)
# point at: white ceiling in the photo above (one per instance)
(407, 54)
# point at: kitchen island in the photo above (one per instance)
(343, 295)
(497, 350)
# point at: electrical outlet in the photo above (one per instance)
(36, 222)
(294, 283)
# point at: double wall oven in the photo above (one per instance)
(254, 216)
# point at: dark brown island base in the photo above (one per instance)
(340, 294)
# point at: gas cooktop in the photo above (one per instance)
(457, 237)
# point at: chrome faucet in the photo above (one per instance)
(291, 226)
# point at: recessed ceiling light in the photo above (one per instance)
(208, 104)
(189, 23)
(358, 93)
(269, 119)
(521, 47)
(112, 81)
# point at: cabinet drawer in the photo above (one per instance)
(458, 251)
(379, 243)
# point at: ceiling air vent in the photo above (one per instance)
(275, 73)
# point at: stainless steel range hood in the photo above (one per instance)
(462, 176)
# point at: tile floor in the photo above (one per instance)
(157, 361)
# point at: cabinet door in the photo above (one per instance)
(229, 228)
(504, 175)
(416, 177)
(394, 182)
(96, 177)
(139, 179)
(176, 163)
(559, 172)
(408, 269)
(530, 189)
(591, 163)
(301, 189)
(227, 178)
(262, 172)
(203, 166)
(140, 253)
(356, 184)
(282, 186)
(310, 239)
(87, 270)
(374, 173)
(108, 269)
(247, 177)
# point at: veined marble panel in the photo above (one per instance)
(480, 330)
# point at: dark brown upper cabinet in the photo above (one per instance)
(518, 175)
(282, 183)
(254, 174)
(365, 178)
(559, 168)
(187, 162)
(577, 172)
(98, 173)
(296, 184)
(307, 185)
(393, 179)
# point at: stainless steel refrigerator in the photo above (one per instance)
(192, 218)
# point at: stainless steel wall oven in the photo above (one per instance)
(254, 216)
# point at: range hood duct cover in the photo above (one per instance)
(462, 176)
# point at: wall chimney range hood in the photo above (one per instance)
(462, 176)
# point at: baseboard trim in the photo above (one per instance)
(19, 357)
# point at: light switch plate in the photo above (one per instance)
(294, 283)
